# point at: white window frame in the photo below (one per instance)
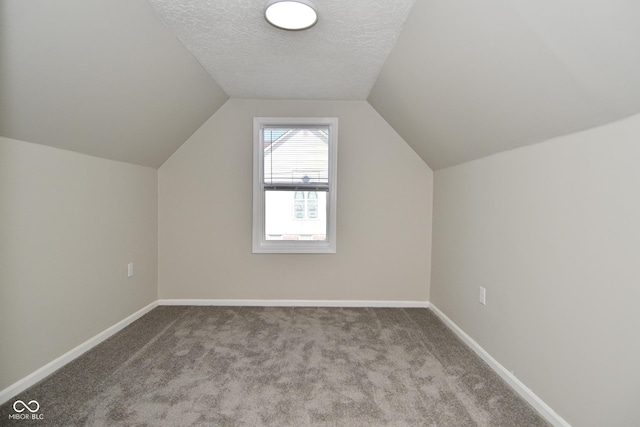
(260, 244)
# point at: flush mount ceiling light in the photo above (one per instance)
(291, 14)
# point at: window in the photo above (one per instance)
(294, 189)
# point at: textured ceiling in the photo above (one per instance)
(467, 79)
(339, 58)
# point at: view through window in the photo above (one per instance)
(295, 184)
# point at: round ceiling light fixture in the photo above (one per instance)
(291, 15)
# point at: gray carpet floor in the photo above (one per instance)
(268, 366)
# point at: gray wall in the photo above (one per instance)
(69, 224)
(383, 217)
(553, 233)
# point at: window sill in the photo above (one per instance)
(300, 247)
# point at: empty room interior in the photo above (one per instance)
(459, 246)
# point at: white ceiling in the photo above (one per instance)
(457, 79)
(339, 58)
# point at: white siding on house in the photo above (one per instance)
(300, 155)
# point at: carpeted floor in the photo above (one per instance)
(257, 366)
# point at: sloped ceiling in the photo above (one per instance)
(467, 79)
(457, 79)
(101, 77)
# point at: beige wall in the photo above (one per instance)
(69, 224)
(553, 233)
(384, 214)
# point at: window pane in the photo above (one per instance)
(280, 224)
(296, 155)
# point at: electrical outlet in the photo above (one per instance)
(130, 269)
(483, 296)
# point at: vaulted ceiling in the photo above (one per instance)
(469, 78)
(131, 80)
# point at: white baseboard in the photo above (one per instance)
(31, 379)
(525, 392)
(295, 303)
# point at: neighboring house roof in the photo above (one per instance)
(297, 156)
